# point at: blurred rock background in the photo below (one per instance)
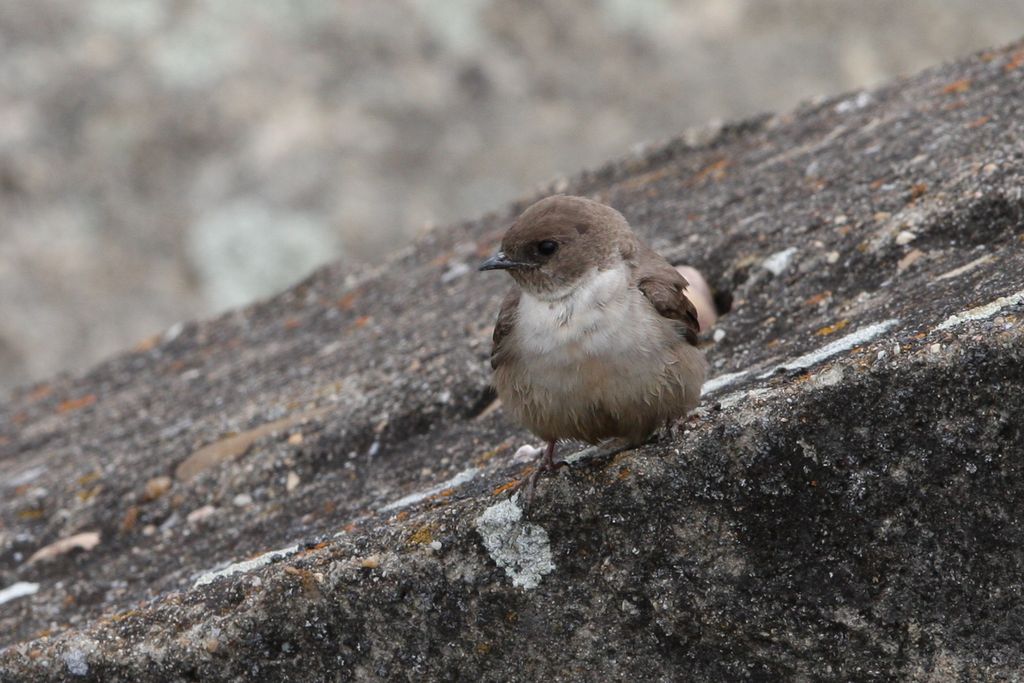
(165, 159)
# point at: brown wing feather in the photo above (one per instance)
(664, 287)
(503, 326)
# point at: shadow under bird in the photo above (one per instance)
(596, 340)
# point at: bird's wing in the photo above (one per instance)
(663, 286)
(500, 352)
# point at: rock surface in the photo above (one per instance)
(312, 488)
(164, 161)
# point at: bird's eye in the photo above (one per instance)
(547, 247)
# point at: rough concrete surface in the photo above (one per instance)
(312, 488)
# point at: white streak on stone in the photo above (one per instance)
(522, 549)
(413, 498)
(246, 565)
(982, 312)
(722, 381)
(18, 590)
(846, 343)
(737, 397)
(957, 272)
(583, 454)
(25, 477)
(777, 263)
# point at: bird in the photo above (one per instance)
(597, 339)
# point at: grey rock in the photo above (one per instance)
(846, 504)
(162, 161)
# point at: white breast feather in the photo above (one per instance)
(603, 319)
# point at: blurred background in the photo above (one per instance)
(162, 160)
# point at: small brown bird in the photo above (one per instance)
(596, 340)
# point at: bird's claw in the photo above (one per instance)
(527, 487)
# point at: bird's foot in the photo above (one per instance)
(528, 486)
(602, 454)
(675, 429)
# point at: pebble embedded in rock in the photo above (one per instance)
(86, 541)
(200, 514)
(156, 487)
(905, 237)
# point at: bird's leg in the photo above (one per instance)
(674, 429)
(547, 463)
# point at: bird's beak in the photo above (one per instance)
(502, 262)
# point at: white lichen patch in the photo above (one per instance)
(17, 590)
(76, 663)
(76, 656)
(861, 336)
(520, 548)
(982, 312)
(829, 378)
(413, 498)
(777, 263)
(246, 565)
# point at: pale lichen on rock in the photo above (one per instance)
(522, 549)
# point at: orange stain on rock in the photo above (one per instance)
(1016, 61)
(348, 301)
(833, 328)
(818, 298)
(422, 536)
(957, 87)
(147, 344)
(76, 403)
(39, 393)
(503, 488)
(715, 171)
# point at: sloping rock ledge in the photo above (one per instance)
(313, 488)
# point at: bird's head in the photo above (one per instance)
(558, 242)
